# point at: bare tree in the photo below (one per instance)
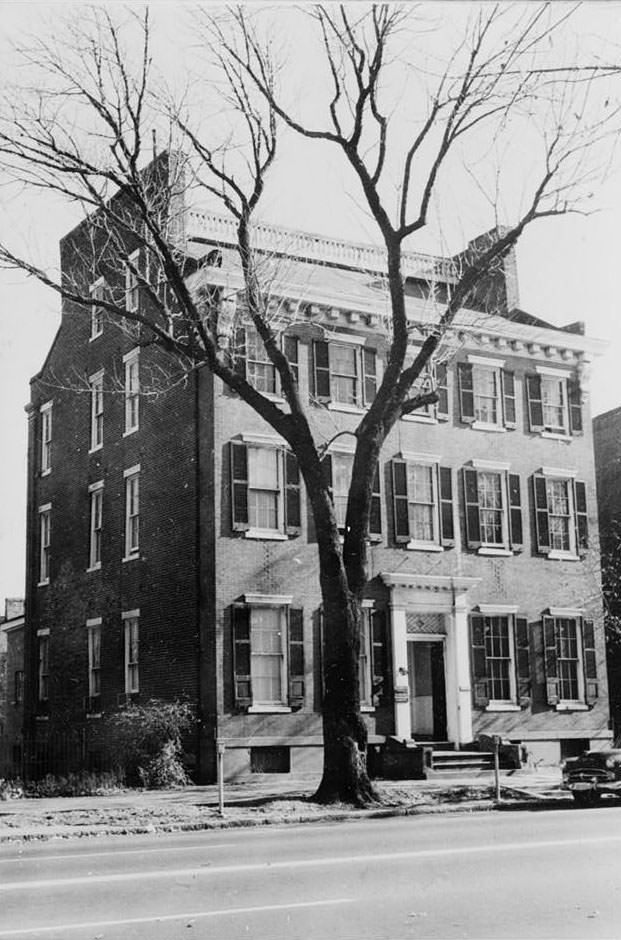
(82, 132)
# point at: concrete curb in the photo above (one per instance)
(48, 833)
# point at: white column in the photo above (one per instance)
(403, 725)
(462, 671)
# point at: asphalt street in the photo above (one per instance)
(494, 875)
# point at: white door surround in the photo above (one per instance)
(446, 596)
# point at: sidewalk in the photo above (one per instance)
(264, 799)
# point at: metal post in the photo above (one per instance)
(221, 747)
(497, 765)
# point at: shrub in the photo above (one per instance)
(165, 770)
(148, 742)
(73, 784)
(10, 789)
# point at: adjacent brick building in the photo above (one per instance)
(171, 551)
(607, 442)
(11, 686)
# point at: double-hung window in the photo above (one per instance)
(132, 512)
(265, 488)
(253, 361)
(372, 658)
(18, 687)
(97, 409)
(131, 620)
(46, 438)
(93, 634)
(554, 402)
(268, 653)
(422, 502)
(493, 506)
(97, 314)
(560, 513)
(132, 283)
(344, 372)
(45, 526)
(43, 671)
(96, 520)
(434, 377)
(570, 658)
(132, 390)
(500, 658)
(337, 468)
(486, 394)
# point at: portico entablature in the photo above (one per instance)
(439, 593)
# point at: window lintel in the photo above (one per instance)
(419, 458)
(554, 373)
(485, 361)
(497, 465)
(130, 614)
(572, 612)
(268, 600)
(498, 610)
(263, 440)
(559, 472)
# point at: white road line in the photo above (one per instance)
(114, 852)
(191, 915)
(319, 862)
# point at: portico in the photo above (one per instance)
(428, 616)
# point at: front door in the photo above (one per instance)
(427, 689)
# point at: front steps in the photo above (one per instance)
(430, 760)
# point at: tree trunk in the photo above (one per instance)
(345, 778)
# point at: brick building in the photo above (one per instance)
(607, 444)
(11, 686)
(171, 551)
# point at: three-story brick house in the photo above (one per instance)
(171, 552)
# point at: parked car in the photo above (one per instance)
(591, 774)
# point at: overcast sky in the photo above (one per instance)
(567, 270)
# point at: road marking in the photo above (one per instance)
(191, 915)
(319, 862)
(114, 852)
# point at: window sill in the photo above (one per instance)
(130, 431)
(93, 450)
(502, 707)
(571, 707)
(131, 557)
(414, 546)
(420, 419)
(268, 709)
(96, 567)
(343, 406)
(500, 552)
(556, 436)
(43, 583)
(270, 534)
(46, 473)
(367, 709)
(482, 426)
(562, 556)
